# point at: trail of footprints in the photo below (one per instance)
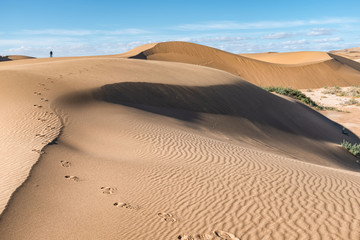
(167, 217)
(45, 118)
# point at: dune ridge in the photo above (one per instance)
(28, 124)
(306, 75)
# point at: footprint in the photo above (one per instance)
(126, 205)
(38, 151)
(225, 235)
(38, 106)
(65, 163)
(74, 178)
(167, 217)
(44, 99)
(40, 135)
(41, 119)
(108, 190)
(216, 235)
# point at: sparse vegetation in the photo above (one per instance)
(334, 91)
(296, 94)
(349, 92)
(353, 92)
(351, 102)
(354, 149)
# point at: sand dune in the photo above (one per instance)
(14, 57)
(163, 150)
(322, 72)
(351, 53)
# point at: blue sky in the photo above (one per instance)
(78, 27)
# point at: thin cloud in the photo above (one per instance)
(82, 32)
(296, 42)
(320, 32)
(230, 25)
(325, 40)
(279, 35)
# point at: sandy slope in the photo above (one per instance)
(290, 57)
(352, 53)
(159, 150)
(327, 72)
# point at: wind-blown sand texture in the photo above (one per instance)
(325, 71)
(164, 150)
(290, 57)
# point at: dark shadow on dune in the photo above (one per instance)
(4, 58)
(242, 100)
(139, 56)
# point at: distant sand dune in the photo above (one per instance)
(351, 53)
(14, 57)
(324, 71)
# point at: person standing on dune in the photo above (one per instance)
(51, 54)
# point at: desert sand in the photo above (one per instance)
(109, 147)
(303, 73)
(351, 53)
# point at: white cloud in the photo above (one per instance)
(324, 40)
(294, 42)
(82, 32)
(320, 32)
(230, 25)
(279, 35)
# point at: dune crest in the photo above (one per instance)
(327, 72)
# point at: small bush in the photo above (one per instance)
(354, 149)
(351, 102)
(334, 91)
(353, 92)
(292, 93)
(296, 94)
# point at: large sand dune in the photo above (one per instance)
(162, 150)
(323, 71)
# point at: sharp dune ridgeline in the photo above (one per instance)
(321, 71)
(109, 147)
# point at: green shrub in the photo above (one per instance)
(354, 149)
(296, 94)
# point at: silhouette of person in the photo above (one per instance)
(51, 54)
